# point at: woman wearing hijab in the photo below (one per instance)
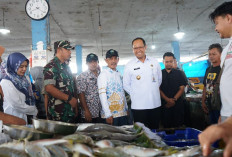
(18, 95)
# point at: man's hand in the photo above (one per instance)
(205, 108)
(88, 116)
(170, 102)
(109, 120)
(216, 132)
(73, 102)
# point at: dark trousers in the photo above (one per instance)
(150, 117)
(94, 120)
(173, 116)
(214, 116)
(119, 121)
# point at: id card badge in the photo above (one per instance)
(153, 76)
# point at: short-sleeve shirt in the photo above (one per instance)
(59, 75)
(87, 84)
(211, 76)
(171, 82)
(142, 81)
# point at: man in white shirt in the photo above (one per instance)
(111, 93)
(222, 17)
(142, 78)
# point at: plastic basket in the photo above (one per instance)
(180, 138)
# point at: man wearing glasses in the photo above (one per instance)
(142, 79)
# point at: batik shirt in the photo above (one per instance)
(87, 84)
(59, 75)
(111, 94)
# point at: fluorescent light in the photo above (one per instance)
(179, 35)
(4, 31)
(153, 47)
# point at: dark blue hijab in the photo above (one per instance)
(20, 82)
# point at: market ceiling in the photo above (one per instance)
(121, 21)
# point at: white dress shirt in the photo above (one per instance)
(226, 81)
(14, 101)
(142, 82)
(111, 94)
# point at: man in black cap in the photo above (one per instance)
(111, 93)
(59, 84)
(88, 91)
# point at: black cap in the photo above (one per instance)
(110, 53)
(91, 57)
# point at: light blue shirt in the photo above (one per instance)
(111, 94)
(142, 82)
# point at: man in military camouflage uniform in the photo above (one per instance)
(59, 85)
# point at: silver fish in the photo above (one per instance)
(141, 152)
(37, 151)
(110, 152)
(104, 144)
(82, 149)
(83, 126)
(100, 135)
(56, 151)
(106, 127)
(119, 143)
(79, 138)
(14, 145)
(10, 152)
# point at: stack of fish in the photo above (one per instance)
(101, 140)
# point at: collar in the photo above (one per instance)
(57, 61)
(170, 71)
(89, 72)
(110, 70)
(146, 59)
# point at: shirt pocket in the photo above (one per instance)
(137, 74)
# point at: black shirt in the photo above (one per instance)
(172, 81)
(211, 76)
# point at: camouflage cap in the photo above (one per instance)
(63, 43)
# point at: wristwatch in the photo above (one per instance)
(69, 98)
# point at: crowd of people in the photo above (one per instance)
(157, 96)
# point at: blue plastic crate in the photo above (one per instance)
(180, 138)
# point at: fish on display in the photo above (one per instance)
(10, 152)
(100, 135)
(14, 145)
(79, 138)
(106, 127)
(141, 151)
(79, 149)
(56, 151)
(47, 142)
(104, 144)
(83, 126)
(110, 152)
(37, 150)
(119, 143)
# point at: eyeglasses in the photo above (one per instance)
(138, 48)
